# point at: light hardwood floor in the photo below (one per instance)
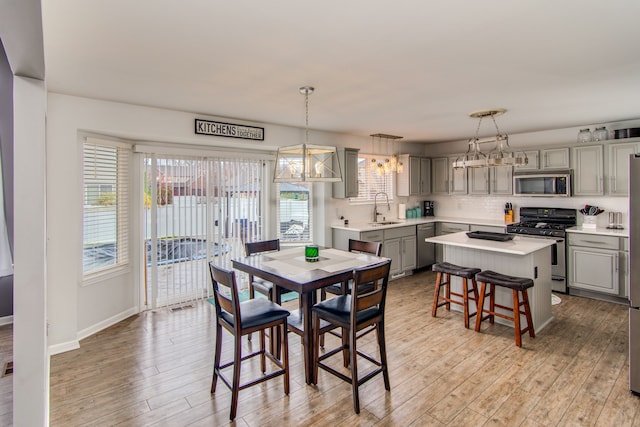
(155, 369)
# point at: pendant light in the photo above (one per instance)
(501, 155)
(307, 162)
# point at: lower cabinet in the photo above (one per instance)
(597, 264)
(400, 246)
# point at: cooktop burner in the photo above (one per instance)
(544, 221)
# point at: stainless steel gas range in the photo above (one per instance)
(549, 223)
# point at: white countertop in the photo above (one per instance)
(520, 245)
(602, 231)
(366, 226)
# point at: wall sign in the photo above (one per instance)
(206, 127)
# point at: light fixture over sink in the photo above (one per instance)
(307, 162)
(502, 155)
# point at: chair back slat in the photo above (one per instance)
(228, 302)
(377, 277)
(361, 246)
(251, 248)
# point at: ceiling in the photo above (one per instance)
(413, 68)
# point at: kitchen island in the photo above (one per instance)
(521, 256)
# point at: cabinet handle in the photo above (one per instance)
(592, 242)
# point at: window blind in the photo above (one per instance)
(370, 182)
(105, 171)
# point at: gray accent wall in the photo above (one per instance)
(6, 151)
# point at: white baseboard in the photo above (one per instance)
(63, 347)
(75, 344)
(106, 323)
(6, 320)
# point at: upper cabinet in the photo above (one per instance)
(458, 180)
(348, 158)
(440, 175)
(618, 182)
(555, 158)
(501, 180)
(415, 178)
(588, 170)
(478, 180)
(533, 160)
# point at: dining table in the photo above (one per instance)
(289, 269)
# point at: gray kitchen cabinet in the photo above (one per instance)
(533, 160)
(555, 158)
(458, 178)
(400, 246)
(415, 178)
(598, 265)
(478, 180)
(618, 182)
(440, 175)
(588, 170)
(491, 180)
(341, 237)
(501, 180)
(348, 158)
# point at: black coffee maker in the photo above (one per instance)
(427, 209)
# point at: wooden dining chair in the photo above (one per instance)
(243, 318)
(355, 314)
(357, 246)
(266, 288)
(344, 288)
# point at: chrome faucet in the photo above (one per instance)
(375, 205)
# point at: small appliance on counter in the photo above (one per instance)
(428, 208)
(615, 221)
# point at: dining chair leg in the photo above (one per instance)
(285, 356)
(354, 369)
(465, 301)
(492, 302)
(383, 354)
(263, 359)
(216, 358)
(235, 389)
(252, 295)
(345, 347)
(316, 339)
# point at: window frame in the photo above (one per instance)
(365, 174)
(124, 163)
(310, 215)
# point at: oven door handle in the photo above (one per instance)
(554, 253)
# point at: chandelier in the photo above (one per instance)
(501, 155)
(307, 162)
(388, 163)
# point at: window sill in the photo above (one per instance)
(98, 277)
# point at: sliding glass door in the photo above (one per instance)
(196, 210)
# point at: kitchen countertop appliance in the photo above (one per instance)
(634, 274)
(549, 223)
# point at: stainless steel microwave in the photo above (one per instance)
(542, 183)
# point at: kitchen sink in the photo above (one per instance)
(379, 223)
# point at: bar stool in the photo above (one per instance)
(446, 270)
(516, 284)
